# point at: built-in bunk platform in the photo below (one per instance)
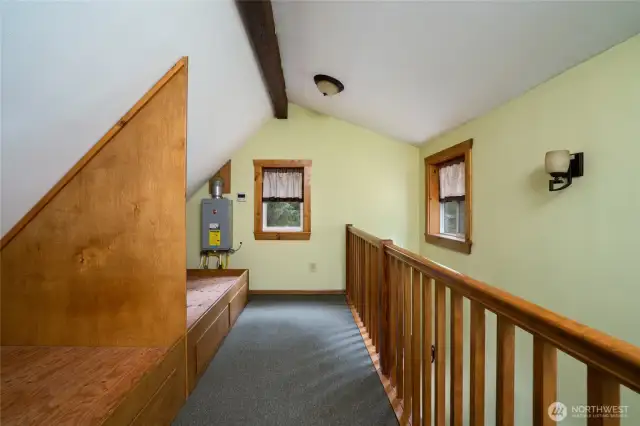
(62, 385)
(215, 299)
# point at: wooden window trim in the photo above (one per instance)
(432, 164)
(258, 233)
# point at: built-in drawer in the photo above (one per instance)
(208, 343)
(166, 402)
(157, 398)
(237, 303)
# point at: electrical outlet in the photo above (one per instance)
(313, 267)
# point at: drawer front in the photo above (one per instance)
(164, 405)
(158, 396)
(207, 345)
(238, 303)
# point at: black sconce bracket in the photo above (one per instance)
(576, 169)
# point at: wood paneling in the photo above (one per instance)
(225, 174)
(111, 133)
(258, 21)
(103, 261)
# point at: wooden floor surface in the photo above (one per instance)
(68, 385)
(204, 292)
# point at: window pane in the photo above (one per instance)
(461, 229)
(283, 214)
(450, 218)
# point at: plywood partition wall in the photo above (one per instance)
(100, 260)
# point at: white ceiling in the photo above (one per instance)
(70, 70)
(413, 70)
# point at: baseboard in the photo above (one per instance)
(303, 292)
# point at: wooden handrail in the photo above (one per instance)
(403, 309)
(364, 235)
(614, 356)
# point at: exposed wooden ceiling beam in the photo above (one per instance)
(257, 16)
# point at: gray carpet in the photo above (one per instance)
(290, 360)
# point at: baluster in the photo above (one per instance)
(415, 347)
(365, 306)
(408, 357)
(400, 341)
(427, 341)
(441, 306)
(393, 321)
(385, 271)
(370, 295)
(349, 265)
(375, 298)
(505, 372)
(360, 277)
(456, 337)
(602, 391)
(545, 370)
(477, 356)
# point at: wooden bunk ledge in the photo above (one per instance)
(111, 133)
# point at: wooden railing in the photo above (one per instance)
(400, 300)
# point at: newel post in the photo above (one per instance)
(348, 272)
(384, 279)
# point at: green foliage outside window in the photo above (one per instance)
(283, 213)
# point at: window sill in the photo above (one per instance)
(449, 242)
(282, 235)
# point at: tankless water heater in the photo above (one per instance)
(217, 224)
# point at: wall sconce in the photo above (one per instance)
(563, 167)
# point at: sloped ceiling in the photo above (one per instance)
(71, 70)
(414, 69)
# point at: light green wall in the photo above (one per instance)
(358, 177)
(573, 251)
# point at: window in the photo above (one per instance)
(448, 201)
(282, 197)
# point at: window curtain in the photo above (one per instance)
(282, 184)
(452, 182)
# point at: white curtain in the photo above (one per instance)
(452, 180)
(282, 184)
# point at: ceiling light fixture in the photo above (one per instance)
(328, 85)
